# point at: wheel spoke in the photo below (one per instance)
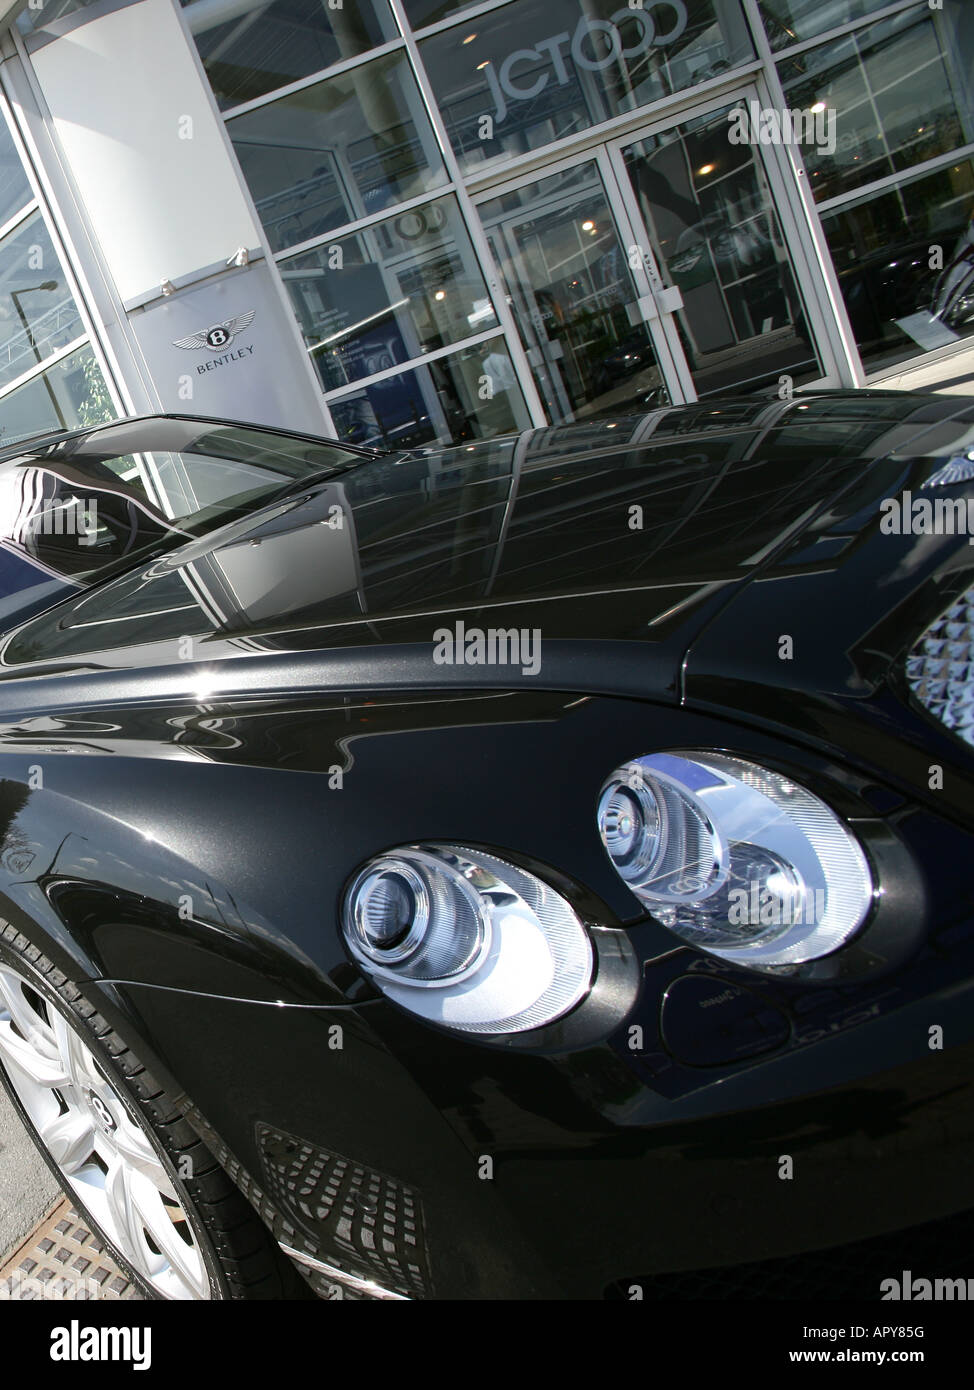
(123, 1213)
(182, 1256)
(104, 1153)
(78, 1064)
(25, 1036)
(13, 1003)
(132, 1145)
(40, 1070)
(69, 1139)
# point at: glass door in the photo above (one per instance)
(722, 277)
(564, 247)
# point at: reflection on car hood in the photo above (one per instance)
(617, 535)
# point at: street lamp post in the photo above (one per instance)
(29, 334)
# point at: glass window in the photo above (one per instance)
(261, 47)
(38, 315)
(899, 94)
(714, 232)
(473, 394)
(15, 191)
(389, 293)
(67, 396)
(573, 295)
(900, 300)
(534, 73)
(423, 12)
(38, 18)
(332, 153)
(789, 22)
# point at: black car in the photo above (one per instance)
(537, 868)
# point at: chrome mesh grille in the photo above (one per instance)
(940, 667)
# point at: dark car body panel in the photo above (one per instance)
(186, 844)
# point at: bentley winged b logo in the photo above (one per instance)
(221, 335)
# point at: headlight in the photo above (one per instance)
(467, 940)
(736, 859)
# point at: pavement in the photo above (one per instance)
(948, 373)
(27, 1189)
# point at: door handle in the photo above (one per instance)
(649, 307)
(669, 300)
(643, 310)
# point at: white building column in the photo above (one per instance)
(152, 170)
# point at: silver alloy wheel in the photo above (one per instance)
(104, 1156)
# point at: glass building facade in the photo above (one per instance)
(49, 376)
(487, 216)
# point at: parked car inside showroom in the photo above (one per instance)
(471, 873)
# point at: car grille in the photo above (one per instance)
(940, 668)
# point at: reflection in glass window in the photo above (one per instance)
(38, 315)
(423, 12)
(881, 245)
(15, 191)
(394, 291)
(330, 154)
(38, 18)
(714, 231)
(472, 395)
(540, 72)
(67, 396)
(572, 289)
(261, 46)
(898, 97)
(791, 21)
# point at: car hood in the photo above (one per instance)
(618, 543)
(841, 602)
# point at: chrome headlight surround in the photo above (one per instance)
(734, 858)
(467, 940)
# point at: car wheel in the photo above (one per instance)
(121, 1148)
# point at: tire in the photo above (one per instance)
(149, 1187)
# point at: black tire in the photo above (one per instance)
(240, 1257)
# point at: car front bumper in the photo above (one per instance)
(391, 1160)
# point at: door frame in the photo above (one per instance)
(773, 160)
(656, 311)
(645, 275)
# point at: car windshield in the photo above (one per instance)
(80, 508)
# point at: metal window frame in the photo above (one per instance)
(40, 368)
(892, 181)
(451, 21)
(12, 223)
(615, 127)
(366, 225)
(840, 31)
(339, 393)
(783, 168)
(63, 214)
(478, 237)
(125, 374)
(362, 224)
(301, 84)
(823, 282)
